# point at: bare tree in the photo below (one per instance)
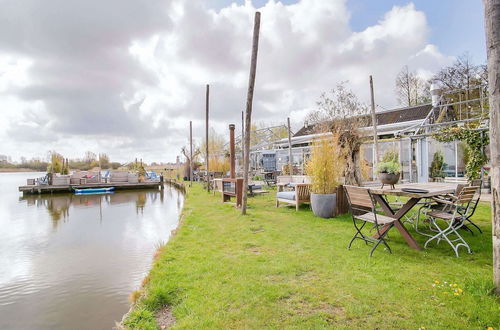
(341, 113)
(89, 157)
(187, 165)
(462, 74)
(410, 88)
(404, 86)
(492, 25)
(218, 154)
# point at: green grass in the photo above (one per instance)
(278, 268)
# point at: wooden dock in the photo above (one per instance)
(46, 189)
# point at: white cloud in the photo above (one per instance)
(129, 89)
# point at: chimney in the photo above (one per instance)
(231, 150)
(435, 93)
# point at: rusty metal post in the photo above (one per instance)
(231, 150)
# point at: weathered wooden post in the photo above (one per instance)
(492, 26)
(242, 139)
(375, 136)
(206, 136)
(290, 168)
(190, 153)
(248, 119)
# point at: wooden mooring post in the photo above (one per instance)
(207, 98)
(190, 153)
(248, 118)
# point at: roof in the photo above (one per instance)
(400, 115)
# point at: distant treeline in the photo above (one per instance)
(89, 161)
(34, 164)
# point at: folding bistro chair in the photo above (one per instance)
(362, 206)
(434, 204)
(472, 207)
(453, 215)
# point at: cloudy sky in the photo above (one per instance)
(126, 77)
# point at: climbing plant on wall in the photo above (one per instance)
(475, 141)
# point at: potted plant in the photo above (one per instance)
(325, 168)
(389, 168)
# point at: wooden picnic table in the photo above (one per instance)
(433, 188)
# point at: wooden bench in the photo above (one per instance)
(301, 195)
(84, 177)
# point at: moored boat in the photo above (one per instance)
(94, 191)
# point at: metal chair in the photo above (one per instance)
(362, 207)
(454, 214)
(468, 213)
(433, 204)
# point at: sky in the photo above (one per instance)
(126, 77)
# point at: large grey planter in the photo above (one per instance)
(324, 205)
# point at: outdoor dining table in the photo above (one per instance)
(433, 189)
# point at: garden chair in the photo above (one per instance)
(152, 176)
(434, 204)
(454, 214)
(301, 195)
(363, 210)
(472, 209)
(43, 180)
(468, 213)
(106, 176)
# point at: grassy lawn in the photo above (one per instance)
(279, 268)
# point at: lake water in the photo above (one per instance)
(69, 261)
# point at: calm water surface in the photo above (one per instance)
(70, 262)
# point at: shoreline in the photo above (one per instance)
(16, 170)
(164, 314)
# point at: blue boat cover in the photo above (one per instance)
(94, 190)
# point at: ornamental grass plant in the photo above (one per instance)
(325, 165)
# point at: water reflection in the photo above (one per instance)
(58, 205)
(73, 259)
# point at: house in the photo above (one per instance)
(407, 129)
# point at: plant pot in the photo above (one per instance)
(324, 205)
(389, 178)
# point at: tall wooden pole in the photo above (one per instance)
(492, 26)
(374, 123)
(290, 168)
(190, 153)
(248, 118)
(232, 173)
(242, 138)
(206, 135)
